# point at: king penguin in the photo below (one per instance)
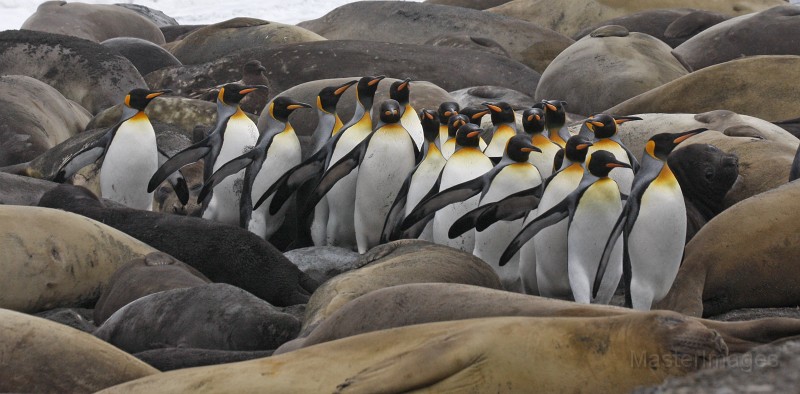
(604, 127)
(555, 117)
(591, 209)
(129, 153)
(418, 182)
(653, 224)
(446, 110)
(234, 133)
(384, 159)
(449, 146)
(533, 125)
(276, 151)
(400, 91)
(467, 163)
(504, 127)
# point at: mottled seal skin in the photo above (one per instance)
(37, 355)
(34, 117)
(214, 41)
(211, 316)
(759, 82)
(569, 17)
(144, 55)
(57, 259)
(746, 257)
(474, 4)
(476, 96)
(396, 263)
(705, 174)
(743, 36)
(292, 64)
(575, 355)
(178, 32)
(142, 276)
(95, 22)
(420, 303)
(417, 23)
(168, 359)
(83, 71)
(223, 253)
(673, 26)
(185, 113)
(606, 68)
(467, 41)
(158, 17)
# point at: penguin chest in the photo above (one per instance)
(351, 137)
(424, 177)
(594, 217)
(500, 138)
(464, 165)
(411, 123)
(240, 136)
(282, 155)
(131, 158)
(388, 160)
(511, 179)
(544, 160)
(561, 186)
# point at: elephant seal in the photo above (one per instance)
(144, 55)
(56, 259)
(222, 253)
(176, 33)
(37, 355)
(158, 17)
(673, 26)
(83, 71)
(743, 258)
(743, 36)
(420, 303)
(211, 316)
(22, 190)
(34, 117)
(94, 22)
(467, 41)
(760, 83)
(606, 68)
(396, 263)
(220, 39)
(172, 358)
(142, 276)
(311, 61)
(422, 94)
(477, 95)
(705, 174)
(324, 262)
(77, 318)
(416, 23)
(474, 4)
(569, 17)
(576, 355)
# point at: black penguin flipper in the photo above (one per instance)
(246, 199)
(337, 171)
(89, 153)
(415, 230)
(176, 162)
(430, 205)
(795, 171)
(397, 211)
(512, 207)
(176, 180)
(467, 221)
(432, 192)
(552, 216)
(227, 169)
(496, 160)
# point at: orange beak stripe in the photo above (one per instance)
(551, 107)
(153, 95)
(683, 138)
(598, 124)
(429, 116)
(245, 91)
(582, 146)
(494, 108)
(473, 134)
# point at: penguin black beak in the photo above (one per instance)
(375, 80)
(157, 93)
(686, 135)
(343, 88)
(492, 107)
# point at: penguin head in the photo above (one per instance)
(601, 162)
(390, 111)
(519, 148)
(555, 112)
(233, 93)
(475, 114)
(468, 135)
(367, 86)
(430, 124)
(328, 98)
(661, 145)
(281, 107)
(533, 121)
(139, 98)
(605, 125)
(577, 147)
(399, 91)
(455, 122)
(501, 112)
(446, 110)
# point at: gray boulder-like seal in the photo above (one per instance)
(172, 358)
(223, 253)
(83, 71)
(143, 276)
(158, 17)
(144, 55)
(417, 23)
(744, 36)
(477, 95)
(474, 4)
(22, 190)
(317, 60)
(212, 316)
(34, 117)
(95, 22)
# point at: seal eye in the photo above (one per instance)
(709, 174)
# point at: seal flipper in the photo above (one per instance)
(391, 374)
(513, 207)
(552, 216)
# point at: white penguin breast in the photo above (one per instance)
(283, 154)
(131, 159)
(240, 136)
(424, 178)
